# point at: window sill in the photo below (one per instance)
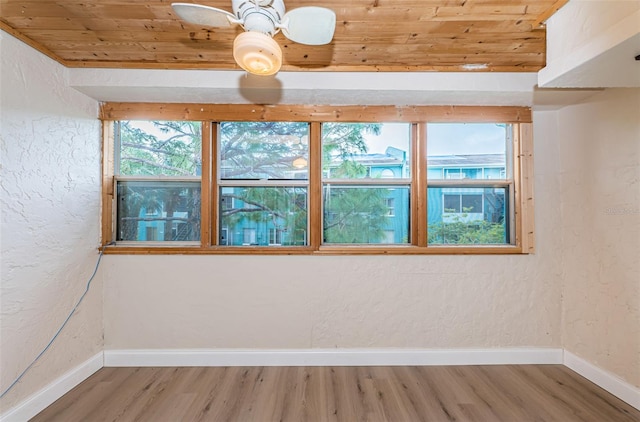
(308, 250)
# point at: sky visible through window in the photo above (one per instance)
(465, 138)
(395, 135)
(443, 138)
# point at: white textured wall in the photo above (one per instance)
(580, 21)
(324, 302)
(592, 43)
(346, 301)
(600, 158)
(50, 202)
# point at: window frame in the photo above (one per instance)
(368, 182)
(153, 179)
(522, 201)
(220, 182)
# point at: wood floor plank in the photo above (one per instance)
(210, 385)
(396, 405)
(423, 398)
(347, 392)
(522, 393)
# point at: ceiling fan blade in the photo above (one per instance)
(309, 25)
(204, 15)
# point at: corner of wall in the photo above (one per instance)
(50, 182)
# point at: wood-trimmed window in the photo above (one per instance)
(246, 179)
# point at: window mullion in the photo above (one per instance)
(368, 182)
(463, 183)
(158, 178)
(419, 185)
(207, 220)
(262, 183)
(315, 186)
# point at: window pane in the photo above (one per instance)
(365, 150)
(264, 150)
(452, 203)
(469, 222)
(468, 150)
(494, 173)
(471, 203)
(366, 215)
(263, 216)
(160, 148)
(472, 173)
(451, 173)
(158, 211)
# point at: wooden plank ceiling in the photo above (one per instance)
(371, 35)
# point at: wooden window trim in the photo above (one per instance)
(315, 186)
(419, 224)
(108, 189)
(308, 113)
(208, 225)
(418, 116)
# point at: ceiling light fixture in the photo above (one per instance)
(255, 50)
(257, 53)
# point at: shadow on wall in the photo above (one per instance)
(260, 89)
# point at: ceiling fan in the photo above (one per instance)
(255, 50)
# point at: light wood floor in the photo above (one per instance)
(511, 393)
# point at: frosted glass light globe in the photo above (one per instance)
(257, 53)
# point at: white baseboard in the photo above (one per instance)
(38, 401)
(608, 381)
(330, 357)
